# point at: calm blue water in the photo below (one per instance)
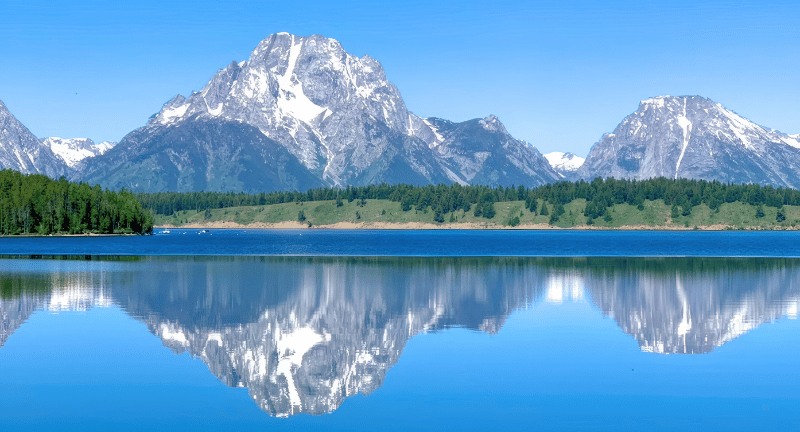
(228, 342)
(420, 243)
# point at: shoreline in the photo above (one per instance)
(69, 235)
(398, 226)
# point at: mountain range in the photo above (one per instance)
(301, 112)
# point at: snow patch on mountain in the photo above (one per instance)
(792, 140)
(686, 126)
(437, 135)
(172, 114)
(292, 100)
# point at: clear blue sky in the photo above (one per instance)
(557, 73)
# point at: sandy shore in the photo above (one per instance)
(428, 226)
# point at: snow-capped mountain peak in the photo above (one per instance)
(335, 113)
(303, 92)
(694, 137)
(74, 150)
(564, 163)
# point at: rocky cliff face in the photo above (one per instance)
(694, 137)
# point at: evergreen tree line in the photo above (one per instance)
(600, 194)
(36, 204)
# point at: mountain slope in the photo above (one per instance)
(199, 155)
(21, 151)
(694, 137)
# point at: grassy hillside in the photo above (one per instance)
(652, 214)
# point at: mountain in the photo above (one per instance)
(481, 151)
(336, 114)
(74, 150)
(565, 164)
(694, 137)
(21, 151)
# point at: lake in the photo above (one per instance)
(393, 330)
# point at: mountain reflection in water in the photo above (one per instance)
(303, 334)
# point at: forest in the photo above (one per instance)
(36, 204)
(681, 195)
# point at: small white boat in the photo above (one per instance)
(166, 231)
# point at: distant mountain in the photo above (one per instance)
(74, 150)
(336, 114)
(565, 164)
(21, 151)
(694, 137)
(481, 151)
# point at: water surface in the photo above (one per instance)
(316, 242)
(399, 343)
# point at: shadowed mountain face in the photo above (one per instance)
(303, 334)
(198, 155)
